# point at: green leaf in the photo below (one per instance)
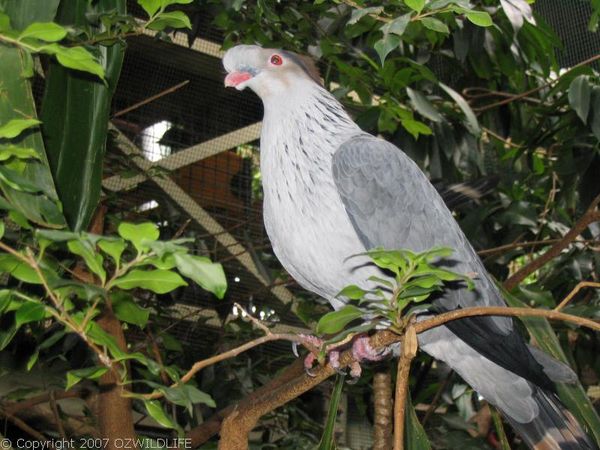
(18, 269)
(7, 334)
(78, 58)
(594, 119)
(173, 19)
(1, 229)
(30, 312)
(328, 439)
(416, 5)
(385, 45)
(93, 260)
(358, 14)
(158, 281)
(75, 112)
(32, 360)
(423, 105)
(16, 126)
(187, 395)
(10, 151)
(351, 292)
(114, 248)
(579, 96)
(415, 128)
(415, 436)
(155, 410)
(335, 321)
(89, 373)
(150, 6)
(398, 25)
(203, 271)
(435, 25)
(137, 233)
(128, 311)
(25, 12)
(4, 22)
(48, 31)
(480, 18)
(471, 120)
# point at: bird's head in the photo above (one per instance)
(266, 71)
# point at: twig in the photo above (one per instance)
(514, 245)
(449, 316)
(505, 141)
(13, 408)
(268, 337)
(536, 89)
(590, 216)
(150, 99)
(574, 292)
(436, 398)
(27, 429)
(383, 405)
(409, 351)
(57, 419)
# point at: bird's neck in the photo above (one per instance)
(307, 122)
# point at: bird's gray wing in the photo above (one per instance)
(393, 205)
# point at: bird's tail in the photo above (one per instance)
(554, 428)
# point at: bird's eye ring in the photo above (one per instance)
(276, 60)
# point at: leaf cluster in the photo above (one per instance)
(410, 278)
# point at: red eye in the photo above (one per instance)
(276, 60)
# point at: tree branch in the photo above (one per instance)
(590, 216)
(244, 416)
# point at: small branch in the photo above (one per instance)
(536, 89)
(514, 245)
(57, 419)
(409, 351)
(268, 337)
(443, 318)
(27, 429)
(14, 408)
(150, 99)
(590, 216)
(573, 293)
(436, 398)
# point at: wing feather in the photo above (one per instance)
(392, 204)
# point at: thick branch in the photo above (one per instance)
(590, 216)
(383, 406)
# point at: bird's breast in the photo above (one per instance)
(305, 218)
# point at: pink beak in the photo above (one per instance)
(233, 79)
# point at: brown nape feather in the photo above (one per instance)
(309, 66)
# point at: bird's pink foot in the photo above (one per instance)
(361, 351)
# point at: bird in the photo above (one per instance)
(331, 192)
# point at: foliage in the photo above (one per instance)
(119, 266)
(416, 276)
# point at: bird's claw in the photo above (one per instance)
(295, 349)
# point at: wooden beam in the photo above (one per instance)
(189, 155)
(199, 215)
